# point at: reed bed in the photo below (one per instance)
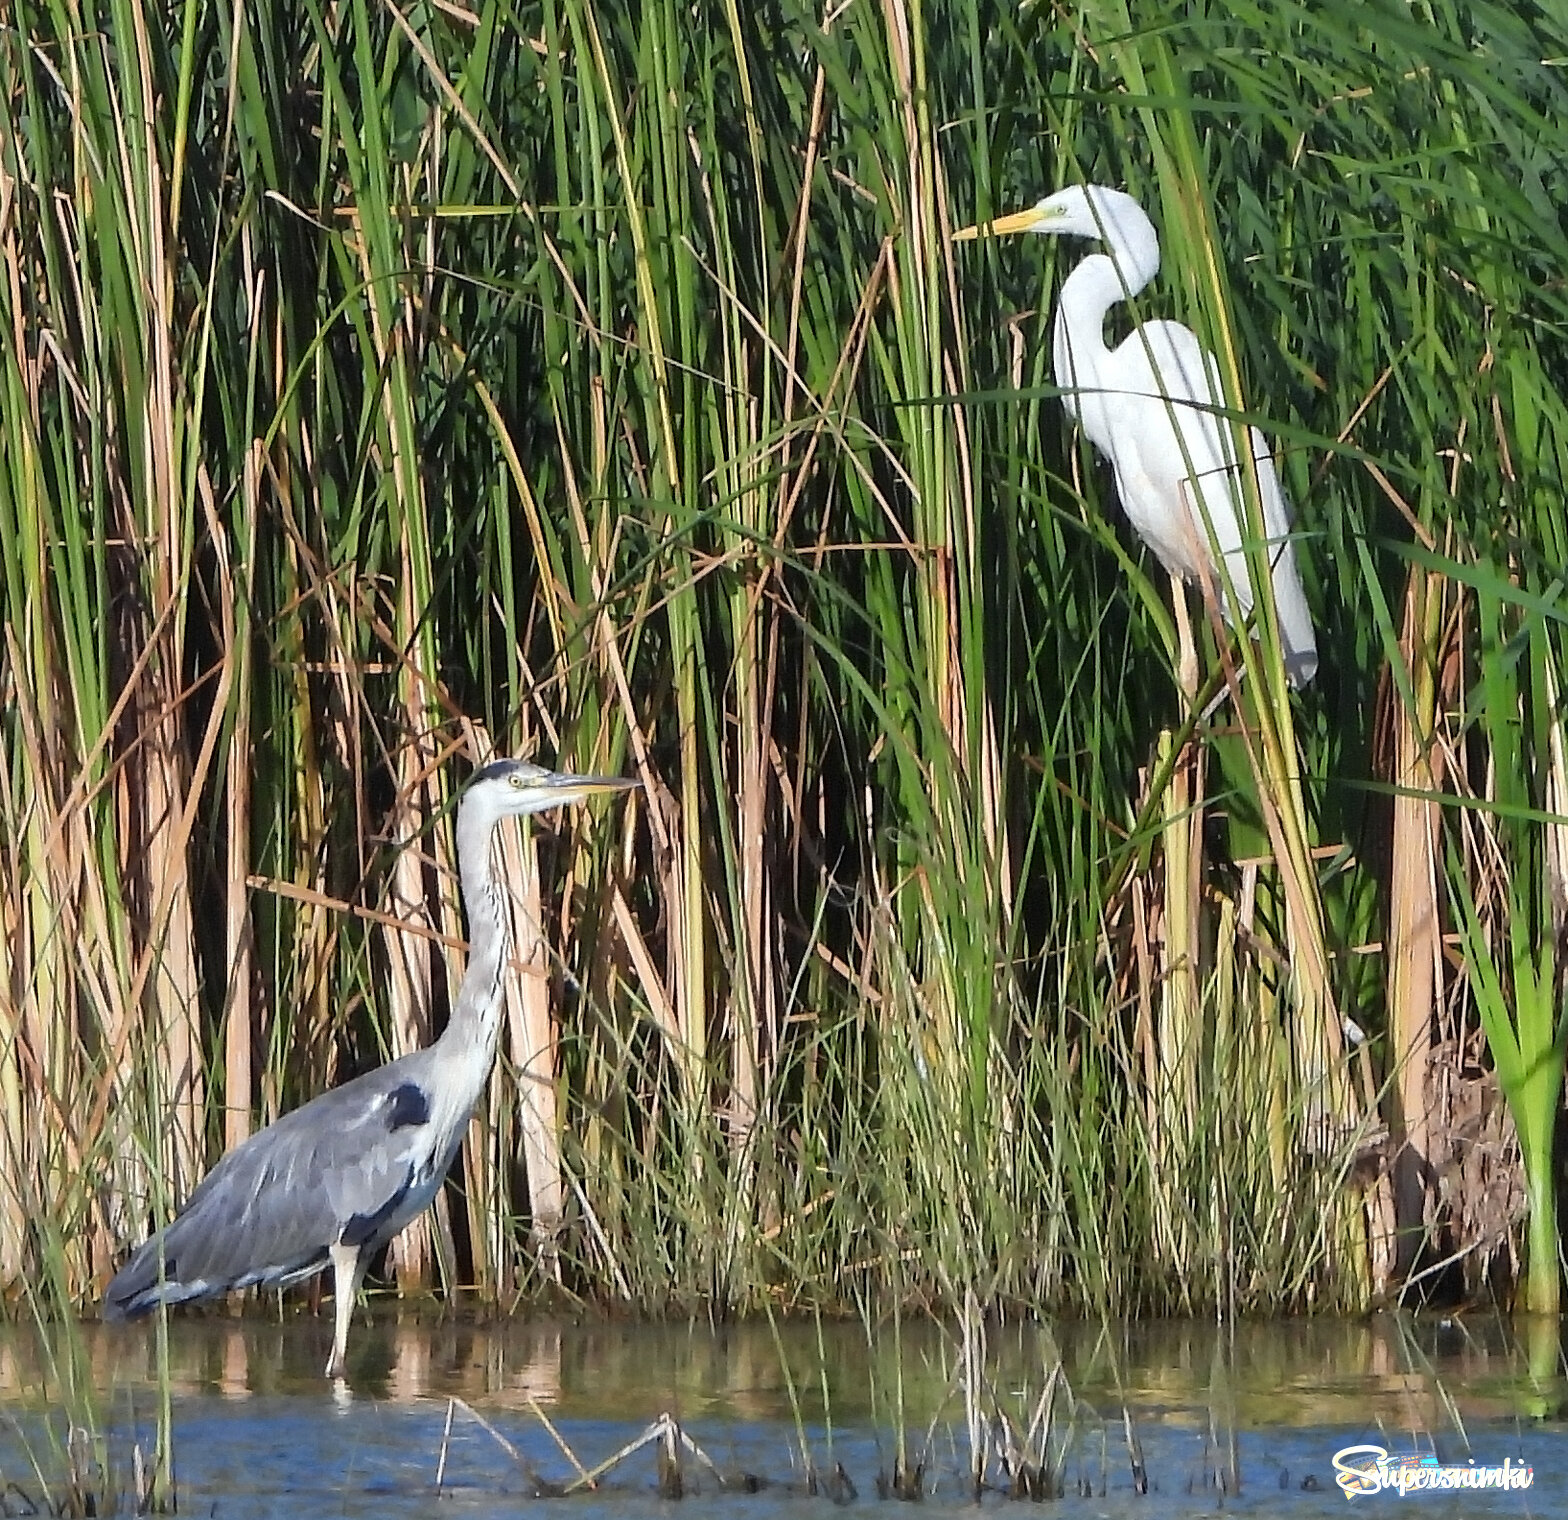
(386, 386)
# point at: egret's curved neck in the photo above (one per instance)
(1096, 284)
(1078, 348)
(476, 1015)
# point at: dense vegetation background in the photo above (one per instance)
(387, 385)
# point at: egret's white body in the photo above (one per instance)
(1149, 406)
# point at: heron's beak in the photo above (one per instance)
(563, 787)
(1014, 221)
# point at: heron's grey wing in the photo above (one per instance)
(338, 1168)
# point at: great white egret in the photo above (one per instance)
(1148, 406)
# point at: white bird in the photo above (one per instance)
(334, 1180)
(1148, 406)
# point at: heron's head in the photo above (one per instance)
(1086, 211)
(507, 787)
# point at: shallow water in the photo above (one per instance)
(1246, 1421)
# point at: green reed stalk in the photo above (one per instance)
(379, 385)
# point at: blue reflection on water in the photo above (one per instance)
(298, 1454)
(1244, 1422)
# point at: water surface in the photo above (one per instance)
(1244, 1420)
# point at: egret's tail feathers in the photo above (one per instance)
(1296, 633)
(1301, 665)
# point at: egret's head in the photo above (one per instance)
(1087, 211)
(507, 787)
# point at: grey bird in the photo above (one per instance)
(334, 1180)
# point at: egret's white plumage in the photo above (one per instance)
(1149, 406)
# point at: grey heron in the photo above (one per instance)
(333, 1181)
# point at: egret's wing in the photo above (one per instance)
(338, 1168)
(1184, 454)
(1167, 437)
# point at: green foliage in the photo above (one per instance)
(381, 380)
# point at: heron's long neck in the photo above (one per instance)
(476, 1016)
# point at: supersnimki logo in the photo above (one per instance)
(1363, 1470)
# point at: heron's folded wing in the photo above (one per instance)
(268, 1211)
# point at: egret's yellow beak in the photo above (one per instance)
(1014, 221)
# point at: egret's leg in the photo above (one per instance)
(1187, 649)
(348, 1266)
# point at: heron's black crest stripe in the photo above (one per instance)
(408, 1105)
(494, 771)
(363, 1227)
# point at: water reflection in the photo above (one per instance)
(1396, 1371)
(1250, 1412)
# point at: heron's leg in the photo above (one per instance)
(348, 1266)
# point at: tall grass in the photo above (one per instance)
(386, 385)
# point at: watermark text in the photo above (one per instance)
(1370, 1469)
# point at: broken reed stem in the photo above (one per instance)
(539, 1484)
(559, 1439)
(446, 1439)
